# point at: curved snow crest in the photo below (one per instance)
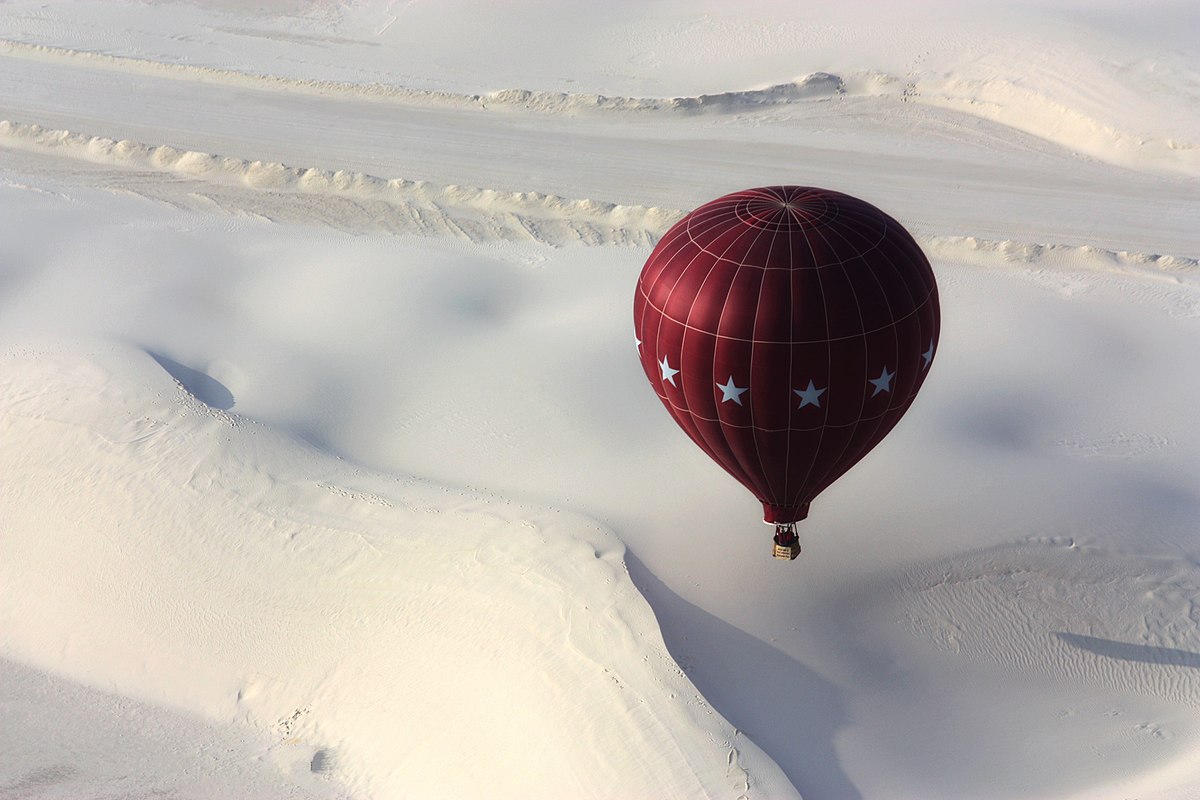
(969, 248)
(1006, 101)
(416, 206)
(208, 563)
(818, 84)
(1049, 115)
(1036, 111)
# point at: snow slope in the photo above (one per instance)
(329, 470)
(209, 543)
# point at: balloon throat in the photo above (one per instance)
(787, 543)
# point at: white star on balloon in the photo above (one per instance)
(883, 383)
(637, 342)
(731, 392)
(668, 374)
(810, 396)
(928, 356)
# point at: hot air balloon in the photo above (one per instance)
(786, 329)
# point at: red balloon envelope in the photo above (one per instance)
(786, 329)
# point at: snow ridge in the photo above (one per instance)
(1085, 256)
(818, 84)
(465, 212)
(1005, 101)
(480, 214)
(1039, 112)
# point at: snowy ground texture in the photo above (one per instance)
(328, 470)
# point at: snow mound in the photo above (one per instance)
(412, 206)
(397, 637)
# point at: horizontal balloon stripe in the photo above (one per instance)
(932, 295)
(884, 413)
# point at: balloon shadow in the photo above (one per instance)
(785, 708)
(1139, 653)
(207, 389)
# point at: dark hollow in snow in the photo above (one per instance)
(207, 389)
(322, 761)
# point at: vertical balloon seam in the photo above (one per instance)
(757, 432)
(886, 420)
(722, 450)
(858, 450)
(659, 253)
(727, 458)
(759, 487)
(827, 219)
(650, 292)
(831, 465)
(782, 195)
(787, 452)
(816, 454)
(921, 268)
(696, 431)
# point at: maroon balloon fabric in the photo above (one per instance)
(786, 329)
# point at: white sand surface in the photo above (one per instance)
(327, 468)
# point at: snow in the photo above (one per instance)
(328, 468)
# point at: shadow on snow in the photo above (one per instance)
(785, 708)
